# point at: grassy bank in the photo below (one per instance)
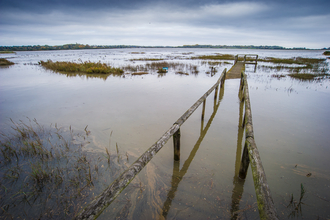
(4, 62)
(86, 67)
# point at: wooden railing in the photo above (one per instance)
(247, 58)
(251, 156)
(102, 201)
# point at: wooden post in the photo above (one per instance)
(236, 59)
(203, 111)
(216, 93)
(176, 144)
(244, 58)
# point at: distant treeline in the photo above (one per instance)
(83, 46)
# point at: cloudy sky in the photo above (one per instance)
(288, 23)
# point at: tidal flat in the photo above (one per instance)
(127, 113)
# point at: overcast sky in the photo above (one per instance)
(288, 23)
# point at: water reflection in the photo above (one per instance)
(238, 182)
(179, 174)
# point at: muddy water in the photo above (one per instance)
(290, 117)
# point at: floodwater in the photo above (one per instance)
(291, 127)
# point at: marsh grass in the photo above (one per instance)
(215, 57)
(152, 67)
(326, 52)
(147, 59)
(46, 173)
(6, 52)
(5, 62)
(85, 67)
(294, 60)
(308, 76)
(294, 205)
(139, 73)
(278, 76)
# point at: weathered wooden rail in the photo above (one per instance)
(247, 57)
(102, 201)
(251, 156)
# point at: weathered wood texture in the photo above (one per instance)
(102, 201)
(265, 202)
(235, 71)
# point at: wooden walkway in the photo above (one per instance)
(235, 71)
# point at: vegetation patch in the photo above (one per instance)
(278, 76)
(308, 76)
(147, 59)
(4, 52)
(326, 52)
(295, 60)
(139, 73)
(215, 57)
(181, 73)
(5, 62)
(86, 67)
(46, 173)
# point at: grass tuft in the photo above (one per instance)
(86, 67)
(5, 62)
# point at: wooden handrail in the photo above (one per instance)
(102, 201)
(251, 155)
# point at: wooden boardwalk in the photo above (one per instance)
(235, 71)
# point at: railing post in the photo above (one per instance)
(236, 59)
(203, 112)
(216, 92)
(244, 58)
(176, 144)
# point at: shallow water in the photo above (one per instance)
(290, 120)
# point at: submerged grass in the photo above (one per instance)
(5, 62)
(308, 76)
(86, 67)
(45, 173)
(294, 60)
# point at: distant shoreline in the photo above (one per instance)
(83, 46)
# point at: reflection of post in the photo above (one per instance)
(238, 183)
(244, 163)
(174, 183)
(176, 144)
(178, 175)
(240, 133)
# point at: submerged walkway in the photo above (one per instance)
(235, 71)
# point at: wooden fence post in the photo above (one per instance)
(176, 144)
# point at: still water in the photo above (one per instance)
(291, 127)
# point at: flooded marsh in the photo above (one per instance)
(127, 113)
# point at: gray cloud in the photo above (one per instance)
(284, 23)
